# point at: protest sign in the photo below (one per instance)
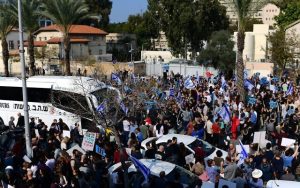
(36, 131)
(273, 104)
(287, 142)
(252, 100)
(66, 133)
(189, 159)
(100, 151)
(260, 138)
(88, 141)
(76, 147)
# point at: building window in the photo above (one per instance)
(45, 38)
(40, 38)
(11, 45)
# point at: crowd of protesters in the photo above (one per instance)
(191, 106)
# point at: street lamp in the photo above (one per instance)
(24, 88)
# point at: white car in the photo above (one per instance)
(187, 178)
(282, 183)
(190, 143)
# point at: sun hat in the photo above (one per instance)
(257, 173)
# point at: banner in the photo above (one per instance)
(88, 141)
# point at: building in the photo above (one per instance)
(120, 41)
(256, 43)
(266, 14)
(86, 41)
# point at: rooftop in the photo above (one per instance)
(75, 29)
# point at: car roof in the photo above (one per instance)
(185, 139)
(155, 166)
(282, 183)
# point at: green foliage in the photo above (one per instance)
(188, 22)
(248, 24)
(219, 52)
(281, 48)
(100, 8)
(289, 14)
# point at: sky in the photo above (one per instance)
(121, 9)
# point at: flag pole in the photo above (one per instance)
(24, 88)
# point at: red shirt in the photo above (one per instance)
(216, 128)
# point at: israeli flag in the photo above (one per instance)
(245, 74)
(225, 113)
(140, 167)
(189, 84)
(290, 90)
(101, 107)
(171, 92)
(116, 78)
(124, 108)
(224, 84)
(243, 154)
(248, 85)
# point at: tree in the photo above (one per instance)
(188, 22)
(249, 24)
(65, 13)
(7, 23)
(30, 17)
(219, 52)
(243, 8)
(282, 47)
(101, 8)
(289, 14)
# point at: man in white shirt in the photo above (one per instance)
(209, 132)
(126, 129)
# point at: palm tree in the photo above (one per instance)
(7, 23)
(244, 9)
(64, 13)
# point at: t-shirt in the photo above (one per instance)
(209, 127)
(287, 161)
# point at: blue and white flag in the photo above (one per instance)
(248, 85)
(101, 107)
(171, 92)
(290, 90)
(225, 113)
(189, 84)
(224, 84)
(100, 151)
(243, 154)
(124, 108)
(140, 167)
(264, 81)
(245, 74)
(116, 78)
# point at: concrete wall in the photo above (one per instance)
(46, 35)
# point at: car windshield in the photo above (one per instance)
(186, 177)
(208, 148)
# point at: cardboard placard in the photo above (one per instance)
(100, 151)
(260, 138)
(67, 134)
(88, 141)
(189, 159)
(287, 142)
(77, 147)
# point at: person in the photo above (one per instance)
(162, 181)
(160, 153)
(289, 155)
(21, 121)
(230, 169)
(288, 176)
(266, 168)
(11, 123)
(277, 165)
(150, 152)
(256, 181)
(218, 159)
(239, 180)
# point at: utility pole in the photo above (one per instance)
(24, 88)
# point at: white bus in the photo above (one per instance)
(52, 97)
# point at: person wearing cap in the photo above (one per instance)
(256, 181)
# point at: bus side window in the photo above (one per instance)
(40, 95)
(11, 93)
(71, 102)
